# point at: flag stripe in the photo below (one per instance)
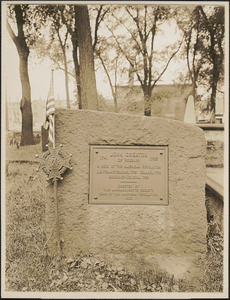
(50, 110)
(51, 128)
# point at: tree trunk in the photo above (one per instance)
(77, 67)
(215, 79)
(147, 106)
(23, 52)
(113, 89)
(87, 73)
(216, 58)
(213, 94)
(115, 86)
(66, 80)
(147, 101)
(115, 99)
(194, 89)
(7, 112)
(25, 104)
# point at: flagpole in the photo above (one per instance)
(55, 187)
(57, 218)
(56, 200)
(54, 132)
(53, 114)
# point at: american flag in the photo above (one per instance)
(50, 110)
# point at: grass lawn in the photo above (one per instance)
(30, 267)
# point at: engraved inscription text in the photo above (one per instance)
(129, 175)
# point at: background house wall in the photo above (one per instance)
(168, 101)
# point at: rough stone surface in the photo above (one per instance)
(170, 236)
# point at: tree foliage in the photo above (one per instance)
(134, 31)
(125, 39)
(106, 51)
(203, 27)
(72, 31)
(213, 36)
(55, 46)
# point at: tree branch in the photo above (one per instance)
(200, 8)
(61, 68)
(98, 21)
(59, 38)
(155, 21)
(11, 33)
(19, 20)
(20, 40)
(145, 25)
(166, 66)
(107, 74)
(103, 15)
(66, 37)
(96, 27)
(187, 57)
(153, 30)
(123, 52)
(136, 20)
(219, 44)
(133, 36)
(143, 44)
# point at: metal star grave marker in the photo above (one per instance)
(54, 163)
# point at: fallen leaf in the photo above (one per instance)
(164, 287)
(72, 264)
(102, 263)
(149, 287)
(88, 261)
(154, 287)
(104, 285)
(70, 260)
(84, 265)
(96, 263)
(176, 288)
(113, 287)
(64, 278)
(133, 282)
(118, 282)
(74, 280)
(99, 277)
(121, 273)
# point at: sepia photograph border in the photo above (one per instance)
(114, 295)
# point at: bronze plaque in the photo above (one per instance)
(128, 175)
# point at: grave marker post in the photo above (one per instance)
(54, 164)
